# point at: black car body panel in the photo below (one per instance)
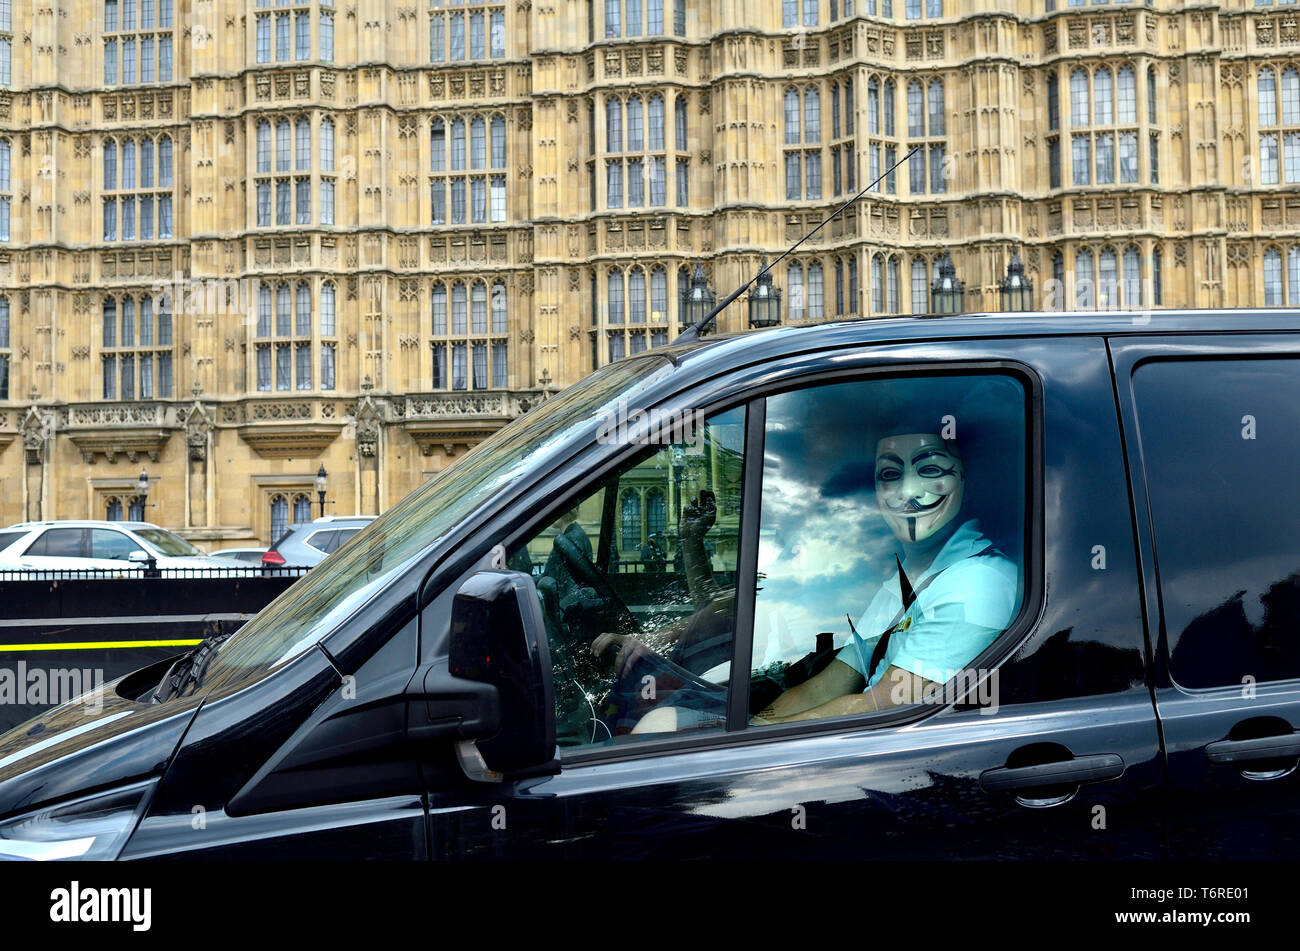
(95, 742)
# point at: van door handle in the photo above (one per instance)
(1070, 772)
(1246, 751)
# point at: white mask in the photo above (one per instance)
(919, 483)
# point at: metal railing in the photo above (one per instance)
(139, 572)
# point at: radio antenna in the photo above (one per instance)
(697, 329)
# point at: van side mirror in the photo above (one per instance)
(498, 638)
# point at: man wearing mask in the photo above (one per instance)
(952, 595)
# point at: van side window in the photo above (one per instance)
(890, 548)
(890, 543)
(637, 580)
(1220, 449)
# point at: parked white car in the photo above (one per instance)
(103, 545)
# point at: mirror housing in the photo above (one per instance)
(139, 557)
(498, 638)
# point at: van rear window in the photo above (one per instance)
(1220, 448)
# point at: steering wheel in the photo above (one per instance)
(586, 573)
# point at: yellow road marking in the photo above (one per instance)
(91, 645)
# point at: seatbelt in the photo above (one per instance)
(909, 595)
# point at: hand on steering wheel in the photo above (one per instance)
(630, 650)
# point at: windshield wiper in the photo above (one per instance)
(188, 669)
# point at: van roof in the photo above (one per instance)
(873, 330)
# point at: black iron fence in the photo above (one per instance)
(137, 572)
(86, 627)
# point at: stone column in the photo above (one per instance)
(369, 431)
(198, 443)
(37, 428)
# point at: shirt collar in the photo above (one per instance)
(967, 540)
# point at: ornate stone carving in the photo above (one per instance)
(198, 423)
(36, 428)
(369, 420)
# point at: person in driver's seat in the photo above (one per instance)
(679, 654)
(953, 594)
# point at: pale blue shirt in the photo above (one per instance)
(953, 619)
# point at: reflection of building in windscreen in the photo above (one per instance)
(641, 511)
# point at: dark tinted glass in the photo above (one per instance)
(61, 543)
(322, 541)
(8, 538)
(341, 536)
(1221, 446)
(640, 613)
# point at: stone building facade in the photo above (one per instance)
(242, 239)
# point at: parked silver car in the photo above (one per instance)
(252, 556)
(309, 543)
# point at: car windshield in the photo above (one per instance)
(381, 552)
(167, 543)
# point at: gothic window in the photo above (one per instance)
(630, 511)
(288, 346)
(926, 122)
(279, 517)
(136, 348)
(6, 188)
(5, 355)
(138, 41)
(803, 155)
(459, 198)
(477, 32)
(1103, 107)
(920, 286)
(476, 341)
(284, 175)
(137, 188)
(1279, 123)
(1084, 281)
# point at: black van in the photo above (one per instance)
(973, 587)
